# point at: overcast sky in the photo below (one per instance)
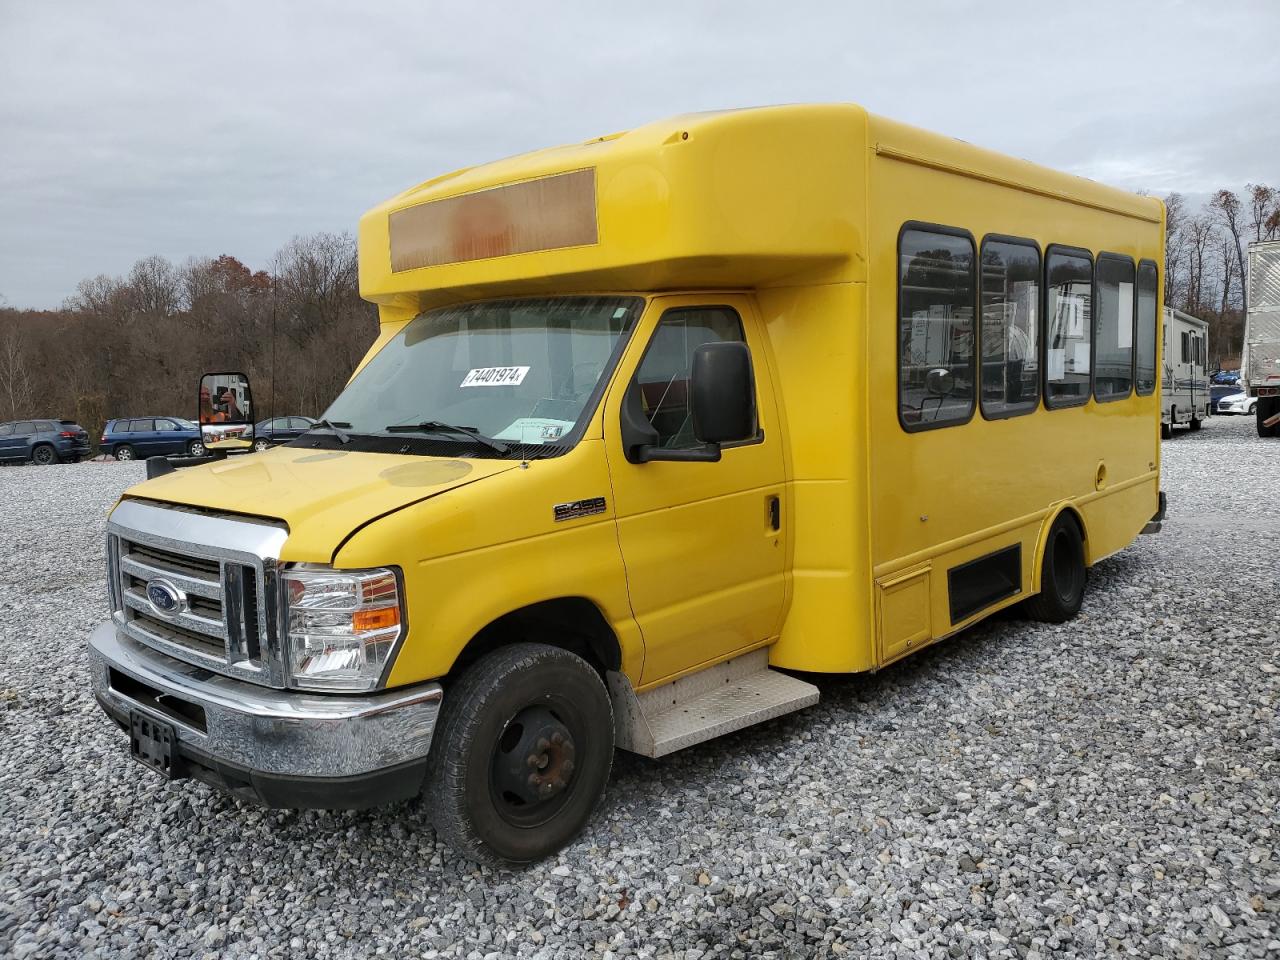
(195, 129)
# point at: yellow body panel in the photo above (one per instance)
(792, 216)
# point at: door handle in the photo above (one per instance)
(775, 514)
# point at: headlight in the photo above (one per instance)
(341, 626)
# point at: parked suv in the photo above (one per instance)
(268, 433)
(43, 441)
(142, 437)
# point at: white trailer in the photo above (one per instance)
(1184, 387)
(1260, 360)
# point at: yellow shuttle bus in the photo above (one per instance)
(650, 420)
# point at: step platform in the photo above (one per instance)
(704, 705)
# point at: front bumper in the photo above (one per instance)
(283, 748)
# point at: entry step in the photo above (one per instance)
(704, 705)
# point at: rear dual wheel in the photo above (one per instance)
(521, 754)
(1266, 408)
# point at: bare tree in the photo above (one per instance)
(1175, 246)
(1226, 206)
(1264, 205)
(17, 385)
(1200, 233)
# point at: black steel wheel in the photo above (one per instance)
(1062, 574)
(521, 754)
(44, 455)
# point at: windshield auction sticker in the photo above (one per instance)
(494, 377)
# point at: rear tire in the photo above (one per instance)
(521, 754)
(1062, 574)
(261, 445)
(1195, 424)
(44, 455)
(195, 449)
(124, 452)
(1166, 430)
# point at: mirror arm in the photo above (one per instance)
(707, 453)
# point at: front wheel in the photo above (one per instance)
(1062, 574)
(260, 445)
(521, 754)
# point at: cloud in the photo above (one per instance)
(128, 129)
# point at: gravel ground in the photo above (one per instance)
(1105, 787)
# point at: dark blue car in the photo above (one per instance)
(43, 441)
(137, 438)
(268, 433)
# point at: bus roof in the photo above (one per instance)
(739, 198)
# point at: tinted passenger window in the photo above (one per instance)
(1147, 330)
(1068, 320)
(6, 429)
(140, 426)
(299, 423)
(166, 425)
(663, 376)
(1113, 335)
(936, 294)
(1010, 329)
(24, 426)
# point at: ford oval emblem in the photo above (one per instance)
(166, 599)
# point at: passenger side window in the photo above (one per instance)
(1068, 321)
(936, 296)
(166, 425)
(24, 426)
(299, 423)
(140, 426)
(663, 375)
(1009, 330)
(6, 429)
(1113, 333)
(1146, 333)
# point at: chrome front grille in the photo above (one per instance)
(223, 571)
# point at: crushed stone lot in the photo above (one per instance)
(1105, 787)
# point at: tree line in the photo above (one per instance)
(137, 345)
(1205, 260)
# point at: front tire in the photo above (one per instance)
(124, 452)
(521, 754)
(44, 455)
(1062, 574)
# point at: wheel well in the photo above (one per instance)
(571, 623)
(1079, 522)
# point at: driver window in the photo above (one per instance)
(663, 376)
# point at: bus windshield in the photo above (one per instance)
(516, 371)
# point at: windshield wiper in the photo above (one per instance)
(334, 428)
(435, 426)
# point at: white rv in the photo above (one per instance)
(1185, 386)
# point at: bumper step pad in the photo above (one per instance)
(727, 697)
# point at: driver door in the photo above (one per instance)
(703, 543)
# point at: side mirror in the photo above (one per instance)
(722, 401)
(724, 395)
(224, 410)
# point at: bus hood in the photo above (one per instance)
(323, 495)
